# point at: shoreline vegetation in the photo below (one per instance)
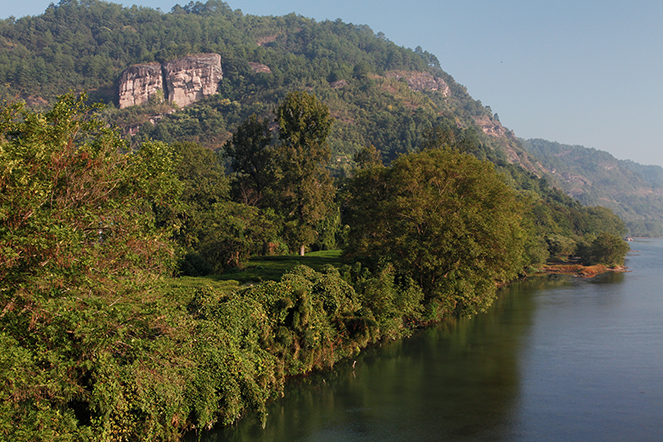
(126, 314)
(581, 270)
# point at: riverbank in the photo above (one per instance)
(189, 354)
(580, 270)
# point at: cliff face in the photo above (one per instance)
(183, 81)
(192, 78)
(421, 81)
(138, 83)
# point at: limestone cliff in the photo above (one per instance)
(192, 78)
(138, 83)
(183, 81)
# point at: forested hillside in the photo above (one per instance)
(633, 191)
(361, 76)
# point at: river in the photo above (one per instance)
(557, 358)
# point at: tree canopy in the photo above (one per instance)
(76, 209)
(443, 218)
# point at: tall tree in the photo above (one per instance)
(444, 218)
(204, 183)
(250, 157)
(303, 190)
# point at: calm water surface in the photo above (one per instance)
(556, 359)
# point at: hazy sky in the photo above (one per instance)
(586, 72)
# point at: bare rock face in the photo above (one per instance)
(138, 83)
(259, 67)
(490, 127)
(183, 81)
(192, 78)
(421, 81)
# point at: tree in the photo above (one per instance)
(606, 249)
(76, 209)
(367, 157)
(302, 191)
(204, 184)
(443, 218)
(250, 158)
(233, 233)
(560, 247)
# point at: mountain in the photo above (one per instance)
(200, 70)
(379, 93)
(633, 191)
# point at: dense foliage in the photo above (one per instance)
(443, 218)
(79, 250)
(76, 212)
(604, 249)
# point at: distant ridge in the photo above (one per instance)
(632, 190)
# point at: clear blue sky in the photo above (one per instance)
(586, 72)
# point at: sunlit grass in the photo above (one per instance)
(270, 268)
(259, 268)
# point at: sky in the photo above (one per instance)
(586, 72)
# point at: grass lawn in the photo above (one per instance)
(259, 268)
(266, 268)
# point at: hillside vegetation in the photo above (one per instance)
(363, 78)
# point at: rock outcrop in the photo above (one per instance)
(138, 83)
(260, 68)
(338, 84)
(192, 78)
(183, 81)
(491, 126)
(421, 81)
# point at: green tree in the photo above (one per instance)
(233, 233)
(606, 249)
(217, 233)
(368, 157)
(204, 184)
(251, 158)
(303, 190)
(443, 218)
(74, 209)
(560, 247)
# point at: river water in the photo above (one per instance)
(556, 358)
